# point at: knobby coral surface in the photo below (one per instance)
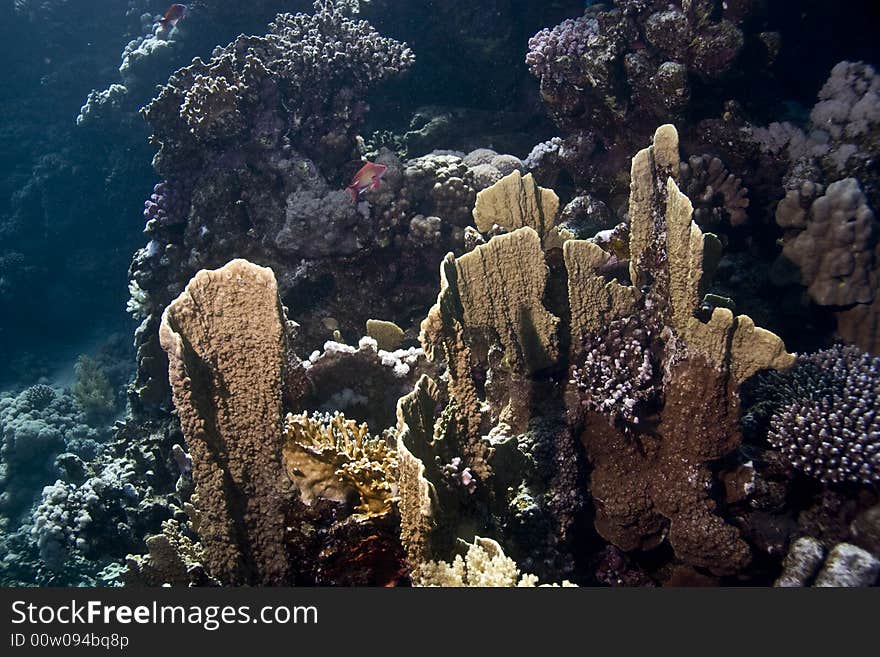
(224, 338)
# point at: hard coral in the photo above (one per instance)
(828, 424)
(308, 74)
(652, 476)
(610, 76)
(329, 456)
(835, 251)
(225, 369)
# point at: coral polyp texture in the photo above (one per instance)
(225, 371)
(828, 424)
(609, 77)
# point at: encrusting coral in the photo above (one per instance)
(834, 250)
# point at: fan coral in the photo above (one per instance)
(504, 349)
(829, 424)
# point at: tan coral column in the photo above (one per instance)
(224, 340)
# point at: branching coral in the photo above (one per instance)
(484, 565)
(826, 419)
(328, 456)
(92, 390)
(610, 76)
(720, 201)
(308, 73)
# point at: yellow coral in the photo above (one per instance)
(330, 457)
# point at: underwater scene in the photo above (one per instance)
(440, 293)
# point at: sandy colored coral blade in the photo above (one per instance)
(516, 201)
(415, 427)
(651, 167)
(501, 287)
(593, 302)
(224, 340)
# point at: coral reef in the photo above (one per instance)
(500, 341)
(309, 499)
(318, 65)
(96, 505)
(589, 398)
(37, 426)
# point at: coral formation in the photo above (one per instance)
(834, 251)
(92, 390)
(331, 457)
(306, 499)
(825, 422)
(484, 565)
(318, 67)
(588, 399)
(225, 371)
(844, 565)
(638, 445)
(610, 76)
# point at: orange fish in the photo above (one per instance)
(368, 177)
(174, 14)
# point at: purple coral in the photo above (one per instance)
(555, 52)
(305, 78)
(165, 207)
(617, 372)
(459, 476)
(830, 426)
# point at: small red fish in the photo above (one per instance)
(368, 177)
(174, 15)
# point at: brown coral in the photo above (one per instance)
(652, 484)
(225, 345)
